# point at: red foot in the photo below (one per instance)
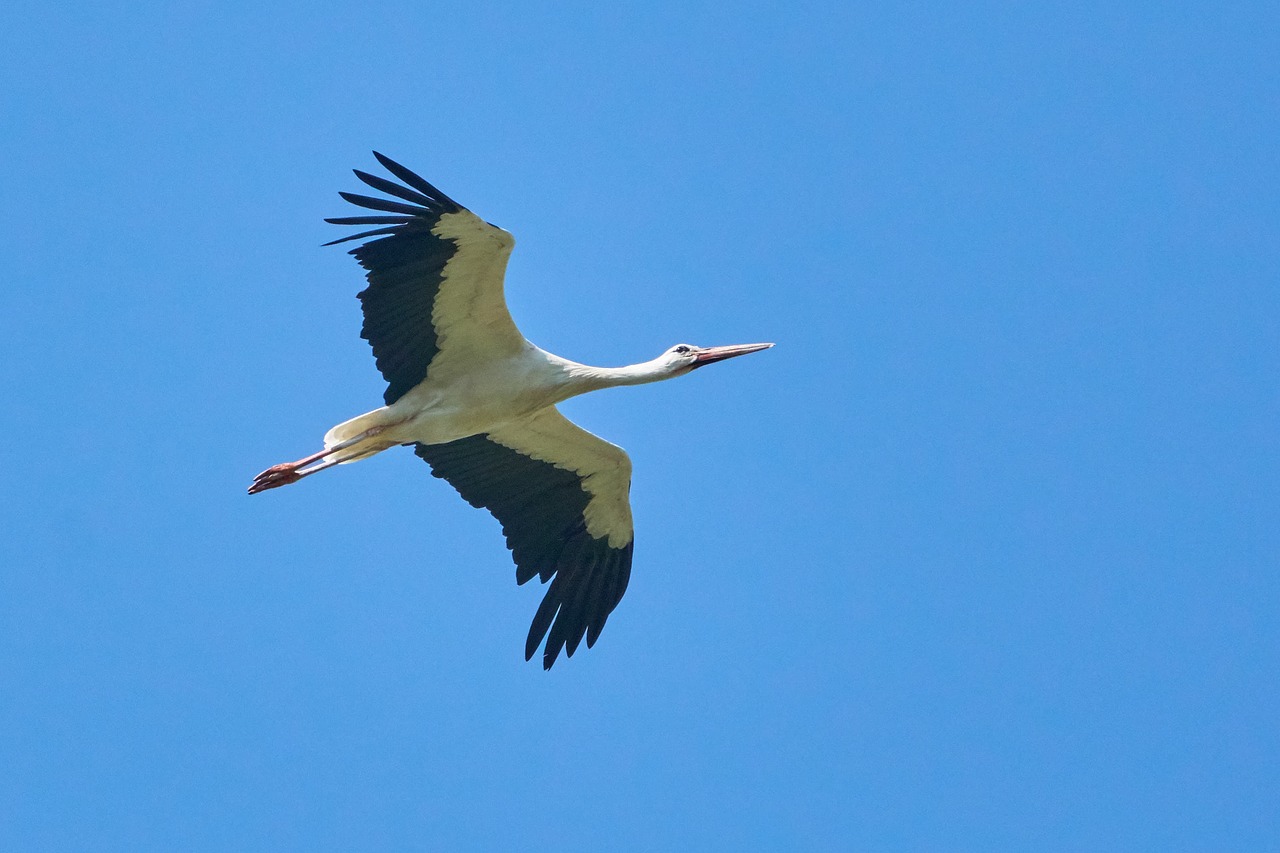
(275, 476)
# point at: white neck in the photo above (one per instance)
(581, 378)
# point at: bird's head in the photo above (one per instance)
(683, 358)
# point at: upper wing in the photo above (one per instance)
(561, 495)
(435, 280)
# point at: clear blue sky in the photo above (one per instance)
(982, 556)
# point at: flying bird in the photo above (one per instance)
(477, 402)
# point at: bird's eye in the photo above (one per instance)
(682, 349)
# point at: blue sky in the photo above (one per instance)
(982, 556)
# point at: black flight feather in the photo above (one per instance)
(383, 204)
(368, 220)
(416, 181)
(374, 233)
(395, 189)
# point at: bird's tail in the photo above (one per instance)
(348, 430)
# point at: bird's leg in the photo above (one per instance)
(291, 472)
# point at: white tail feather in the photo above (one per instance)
(348, 430)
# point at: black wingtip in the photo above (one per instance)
(415, 180)
(392, 188)
(377, 232)
(549, 655)
(382, 204)
(368, 220)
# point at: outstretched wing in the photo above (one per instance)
(435, 280)
(562, 496)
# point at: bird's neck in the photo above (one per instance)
(587, 378)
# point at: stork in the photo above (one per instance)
(477, 401)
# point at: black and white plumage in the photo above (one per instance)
(477, 402)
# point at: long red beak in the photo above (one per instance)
(710, 355)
